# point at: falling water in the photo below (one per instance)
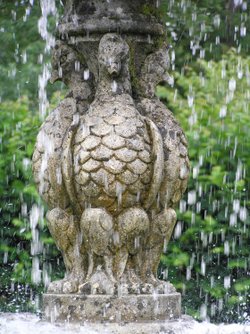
(39, 273)
(48, 7)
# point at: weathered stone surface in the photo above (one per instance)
(114, 141)
(125, 154)
(130, 308)
(111, 162)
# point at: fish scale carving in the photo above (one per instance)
(107, 172)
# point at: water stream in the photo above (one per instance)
(236, 211)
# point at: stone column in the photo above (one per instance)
(111, 163)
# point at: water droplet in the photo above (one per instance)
(223, 111)
(77, 66)
(243, 214)
(216, 20)
(226, 248)
(114, 86)
(203, 312)
(243, 31)
(191, 197)
(203, 267)
(86, 74)
(232, 84)
(227, 282)
(178, 230)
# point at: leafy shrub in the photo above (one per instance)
(209, 256)
(18, 129)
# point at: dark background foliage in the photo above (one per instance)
(208, 258)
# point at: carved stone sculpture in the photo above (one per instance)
(110, 161)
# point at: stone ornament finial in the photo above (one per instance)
(111, 162)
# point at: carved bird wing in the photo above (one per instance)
(48, 153)
(176, 162)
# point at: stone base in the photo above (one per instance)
(99, 308)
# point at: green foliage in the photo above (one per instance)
(210, 260)
(206, 28)
(22, 49)
(18, 129)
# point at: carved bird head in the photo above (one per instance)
(155, 70)
(113, 53)
(64, 60)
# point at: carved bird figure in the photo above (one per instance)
(176, 162)
(47, 162)
(113, 163)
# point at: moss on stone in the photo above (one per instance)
(132, 69)
(150, 10)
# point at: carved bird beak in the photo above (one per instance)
(114, 69)
(54, 77)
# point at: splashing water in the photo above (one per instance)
(28, 324)
(48, 7)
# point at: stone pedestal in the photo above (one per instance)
(99, 308)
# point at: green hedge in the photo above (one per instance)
(209, 257)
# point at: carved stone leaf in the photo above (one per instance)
(126, 129)
(102, 129)
(105, 201)
(114, 189)
(82, 178)
(137, 167)
(137, 187)
(113, 141)
(127, 177)
(91, 165)
(101, 153)
(145, 156)
(114, 166)
(115, 120)
(91, 190)
(91, 142)
(101, 112)
(92, 120)
(125, 154)
(136, 143)
(102, 177)
(81, 134)
(146, 177)
(131, 112)
(83, 156)
(129, 199)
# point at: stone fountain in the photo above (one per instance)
(111, 163)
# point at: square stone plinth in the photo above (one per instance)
(125, 308)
